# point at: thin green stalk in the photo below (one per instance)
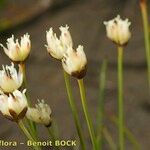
(86, 113)
(28, 135)
(74, 110)
(52, 136)
(102, 84)
(32, 125)
(120, 97)
(144, 13)
(127, 132)
(109, 139)
(55, 128)
(23, 67)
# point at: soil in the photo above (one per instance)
(45, 76)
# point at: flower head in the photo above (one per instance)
(10, 79)
(118, 30)
(14, 106)
(15, 51)
(57, 47)
(74, 62)
(40, 114)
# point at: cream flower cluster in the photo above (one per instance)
(73, 61)
(57, 47)
(40, 114)
(14, 106)
(13, 103)
(10, 79)
(118, 30)
(15, 51)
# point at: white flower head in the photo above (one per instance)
(18, 51)
(40, 114)
(118, 30)
(74, 62)
(58, 46)
(10, 79)
(14, 106)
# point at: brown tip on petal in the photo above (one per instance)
(121, 45)
(23, 113)
(81, 74)
(13, 114)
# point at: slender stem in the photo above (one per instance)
(109, 139)
(23, 67)
(32, 125)
(74, 110)
(52, 136)
(120, 97)
(28, 135)
(86, 113)
(127, 132)
(102, 84)
(144, 12)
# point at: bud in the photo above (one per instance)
(57, 47)
(10, 79)
(40, 114)
(118, 30)
(15, 51)
(74, 62)
(14, 106)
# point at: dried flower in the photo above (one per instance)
(74, 62)
(40, 114)
(15, 51)
(14, 106)
(57, 47)
(118, 30)
(10, 79)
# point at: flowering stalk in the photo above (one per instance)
(23, 67)
(28, 135)
(86, 113)
(32, 125)
(120, 97)
(118, 31)
(74, 110)
(100, 123)
(52, 136)
(144, 12)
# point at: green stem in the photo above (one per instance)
(127, 132)
(52, 136)
(86, 113)
(28, 135)
(23, 67)
(144, 12)
(74, 110)
(120, 97)
(109, 139)
(32, 125)
(102, 84)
